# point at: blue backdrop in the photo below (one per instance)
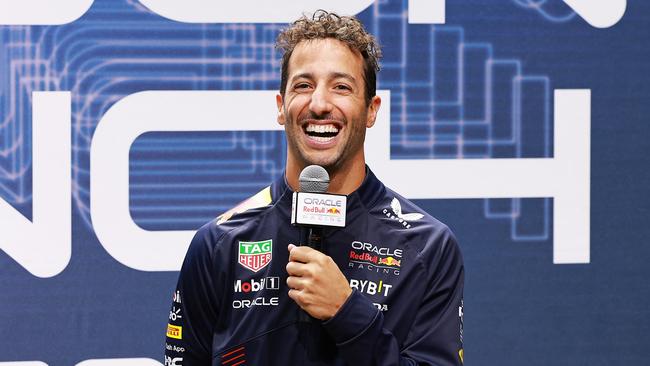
(520, 308)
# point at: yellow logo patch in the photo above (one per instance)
(174, 331)
(460, 354)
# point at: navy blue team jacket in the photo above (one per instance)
(231, 305)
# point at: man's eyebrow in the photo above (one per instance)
(333, 75)
(304, 75)
(337, 75)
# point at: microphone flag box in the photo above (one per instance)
(318, 209)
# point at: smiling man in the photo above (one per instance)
(385, 290)
(325, 109)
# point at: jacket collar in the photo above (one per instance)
(370, 190)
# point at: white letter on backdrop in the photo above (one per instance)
(43, 246)
(42, 12)
(599, 13)
(248, 11)
(109, 162)
(565, 177)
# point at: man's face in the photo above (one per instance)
(324, 109)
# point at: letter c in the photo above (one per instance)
(109, 163)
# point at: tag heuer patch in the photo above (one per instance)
(255, 255)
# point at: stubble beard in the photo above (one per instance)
(343, 155)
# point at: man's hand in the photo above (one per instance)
(316, 283)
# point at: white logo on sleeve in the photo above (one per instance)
(397, 214)
(397, 209)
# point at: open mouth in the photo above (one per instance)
(321, 133)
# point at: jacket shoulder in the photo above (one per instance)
(394, 207)
(253, 204)
(423, 232)
(239, 218)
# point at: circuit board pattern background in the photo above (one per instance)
(478, 87)
(453, 98)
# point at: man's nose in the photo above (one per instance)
(320, 101)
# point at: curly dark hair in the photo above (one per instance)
(346, 29)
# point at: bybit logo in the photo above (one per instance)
(371, 287)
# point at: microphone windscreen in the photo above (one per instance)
(315, 179)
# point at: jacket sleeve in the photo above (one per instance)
(435, 338)
(195, 306)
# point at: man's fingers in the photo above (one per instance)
(297, 269)
(303, 254)
(292, 294)
(295, 283)
(297, 296)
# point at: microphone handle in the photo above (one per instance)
(313, 239)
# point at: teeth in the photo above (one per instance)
(322, 128)
(321, 139)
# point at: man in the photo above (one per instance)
(384, 290)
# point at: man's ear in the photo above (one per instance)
(373, 108)
(281, 116)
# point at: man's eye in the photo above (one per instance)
(343, 87)
(301, 86)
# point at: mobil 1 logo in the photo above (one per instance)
(253, 285)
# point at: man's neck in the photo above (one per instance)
(344, 180)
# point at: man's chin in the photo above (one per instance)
(328, 163)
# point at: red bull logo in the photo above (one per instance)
(334, 211)
(363, 257)
(390, 261)
(375, 257)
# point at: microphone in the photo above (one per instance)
(311, 206)
(314, 179)
(313, 209)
